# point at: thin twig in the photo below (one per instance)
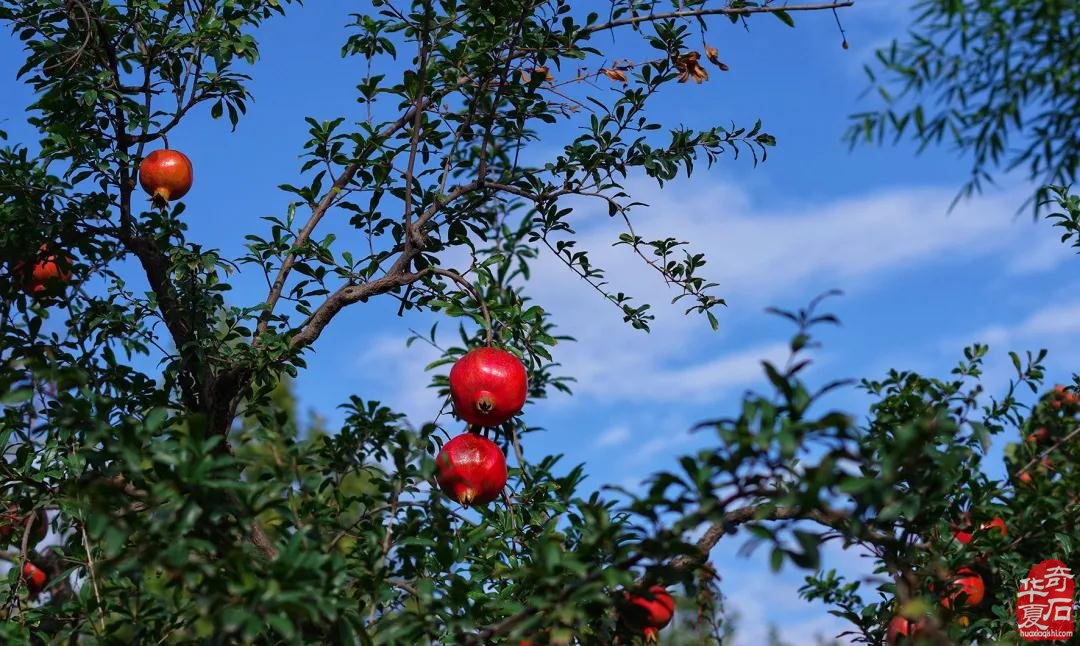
(1047, 452)
(461, 280)
(93, 575)
(719, 11)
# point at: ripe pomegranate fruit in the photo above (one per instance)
(46, 277)
(965, 537)
(488, 386)
(903, 627)
(969, 584)
(12, 522)
(1039, 436)
(471, 469)
(34, 577)
(650, 612)
(166, 175)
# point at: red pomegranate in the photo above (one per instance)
(1039, 435)
(34, 577)
(166, 175)
(965, 537)
(488, 386)
(902, 627)
(471, 469)
(969, 584)
(12, 522)
(650, 612)
(46, 277)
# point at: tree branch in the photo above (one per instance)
(459, 279)
(323, 206)
(398, 276)
(720, 11)
(832, 518)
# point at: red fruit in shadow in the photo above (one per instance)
(903, 627)
(1025, 477)
(13, 521)
(34, 577)
(965, 537)
(471, 469)
(999, 523)
(967, 584)
(649, 612)
(46, 277)
(1039, 435)
(488, 386)
(166, 175)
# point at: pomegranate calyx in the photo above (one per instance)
(485, 403)
(467, 496)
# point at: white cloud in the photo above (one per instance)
(759, 257)
(1053, 320)
(1059, 319)
(757, 254)
(401, 377)
(614, 436)
(615, 372)
(761, 598)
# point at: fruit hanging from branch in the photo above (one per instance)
(649, 612)
(967, 588)
(488, 386)
(965, 536)
(34, 577)
(46, 277)
(471, 469)
(903, 627)
(166, 175)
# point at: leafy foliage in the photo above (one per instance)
(998, 80)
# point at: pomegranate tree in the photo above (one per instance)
(166, 175)
(488, 386)
(471, 469)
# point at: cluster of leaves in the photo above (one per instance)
(996, 79)
(1068, 219)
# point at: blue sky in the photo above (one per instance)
(919, 282)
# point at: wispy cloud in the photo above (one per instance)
(614, 436)
(1050, 321)
(759, 257)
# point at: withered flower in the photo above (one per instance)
(689, 67)
(615, 75)
(713, 55)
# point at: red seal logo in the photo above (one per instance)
(1044, 603)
